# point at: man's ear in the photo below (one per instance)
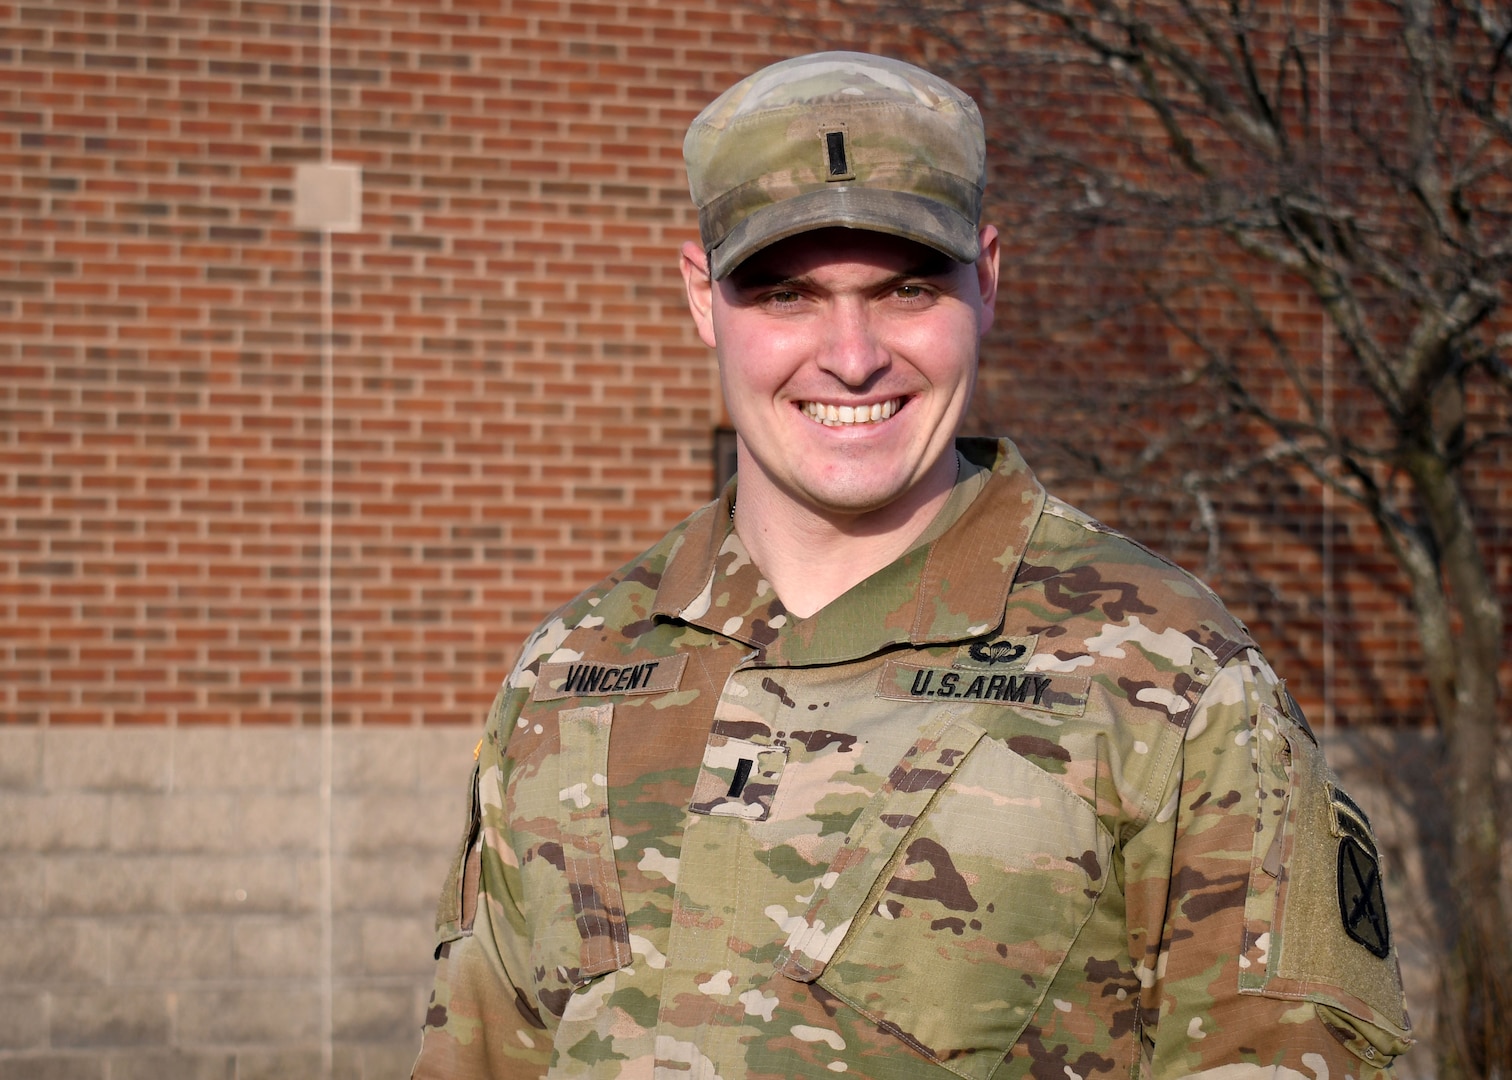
(987, 275)
(700, 289)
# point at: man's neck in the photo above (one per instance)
(811, 557)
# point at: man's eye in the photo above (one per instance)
(783, 297)
(910, 292)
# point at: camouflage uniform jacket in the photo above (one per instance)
(1026, 802)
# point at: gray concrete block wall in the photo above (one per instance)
(179, 902)
(168, 908)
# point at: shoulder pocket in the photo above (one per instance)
(972, 872)
(459, 896)
(1316, 927)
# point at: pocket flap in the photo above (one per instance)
(588, 844)
(986, 888)
(925, 768)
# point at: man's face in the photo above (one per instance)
(848, 360)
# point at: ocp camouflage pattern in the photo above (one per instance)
(837, 138)
(1025, 803)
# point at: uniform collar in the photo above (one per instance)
(951, 589)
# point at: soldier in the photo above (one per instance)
(886, 763)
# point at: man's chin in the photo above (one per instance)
(867, 483)
(855, 500)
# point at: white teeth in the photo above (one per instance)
(836, 415)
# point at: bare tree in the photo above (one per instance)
(1241, 158)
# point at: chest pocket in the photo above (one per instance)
(566, 851)
(966, 879)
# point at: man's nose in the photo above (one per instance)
(853, 351)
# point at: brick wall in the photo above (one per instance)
(220, 431)
(516, 399)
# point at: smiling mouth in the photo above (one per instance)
(843, 415)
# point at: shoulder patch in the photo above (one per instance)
(1361, 903)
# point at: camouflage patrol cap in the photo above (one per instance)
(837, 138)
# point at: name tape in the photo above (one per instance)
(588, 679)
(1048, 692)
